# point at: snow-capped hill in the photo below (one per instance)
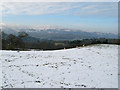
(17, 27)
(54, 32)
(44, 27)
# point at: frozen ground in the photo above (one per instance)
(93, 66)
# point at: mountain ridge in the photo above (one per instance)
(51, 32)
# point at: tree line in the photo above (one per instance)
(17, 42)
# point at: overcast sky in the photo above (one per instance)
(87, 16)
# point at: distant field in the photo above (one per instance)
(94, 66)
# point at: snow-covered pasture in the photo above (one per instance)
(94, 66)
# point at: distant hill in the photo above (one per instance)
(55, 33)
(30, 39)
(69, 35)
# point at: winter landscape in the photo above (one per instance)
(59, 45)
(94, 66)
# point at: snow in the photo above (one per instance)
(94, 66)
(0, 72)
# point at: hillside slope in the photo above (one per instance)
(94, 66)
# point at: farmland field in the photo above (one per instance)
(94, 66)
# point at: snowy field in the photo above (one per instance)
(94, 66)
(0, 78)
